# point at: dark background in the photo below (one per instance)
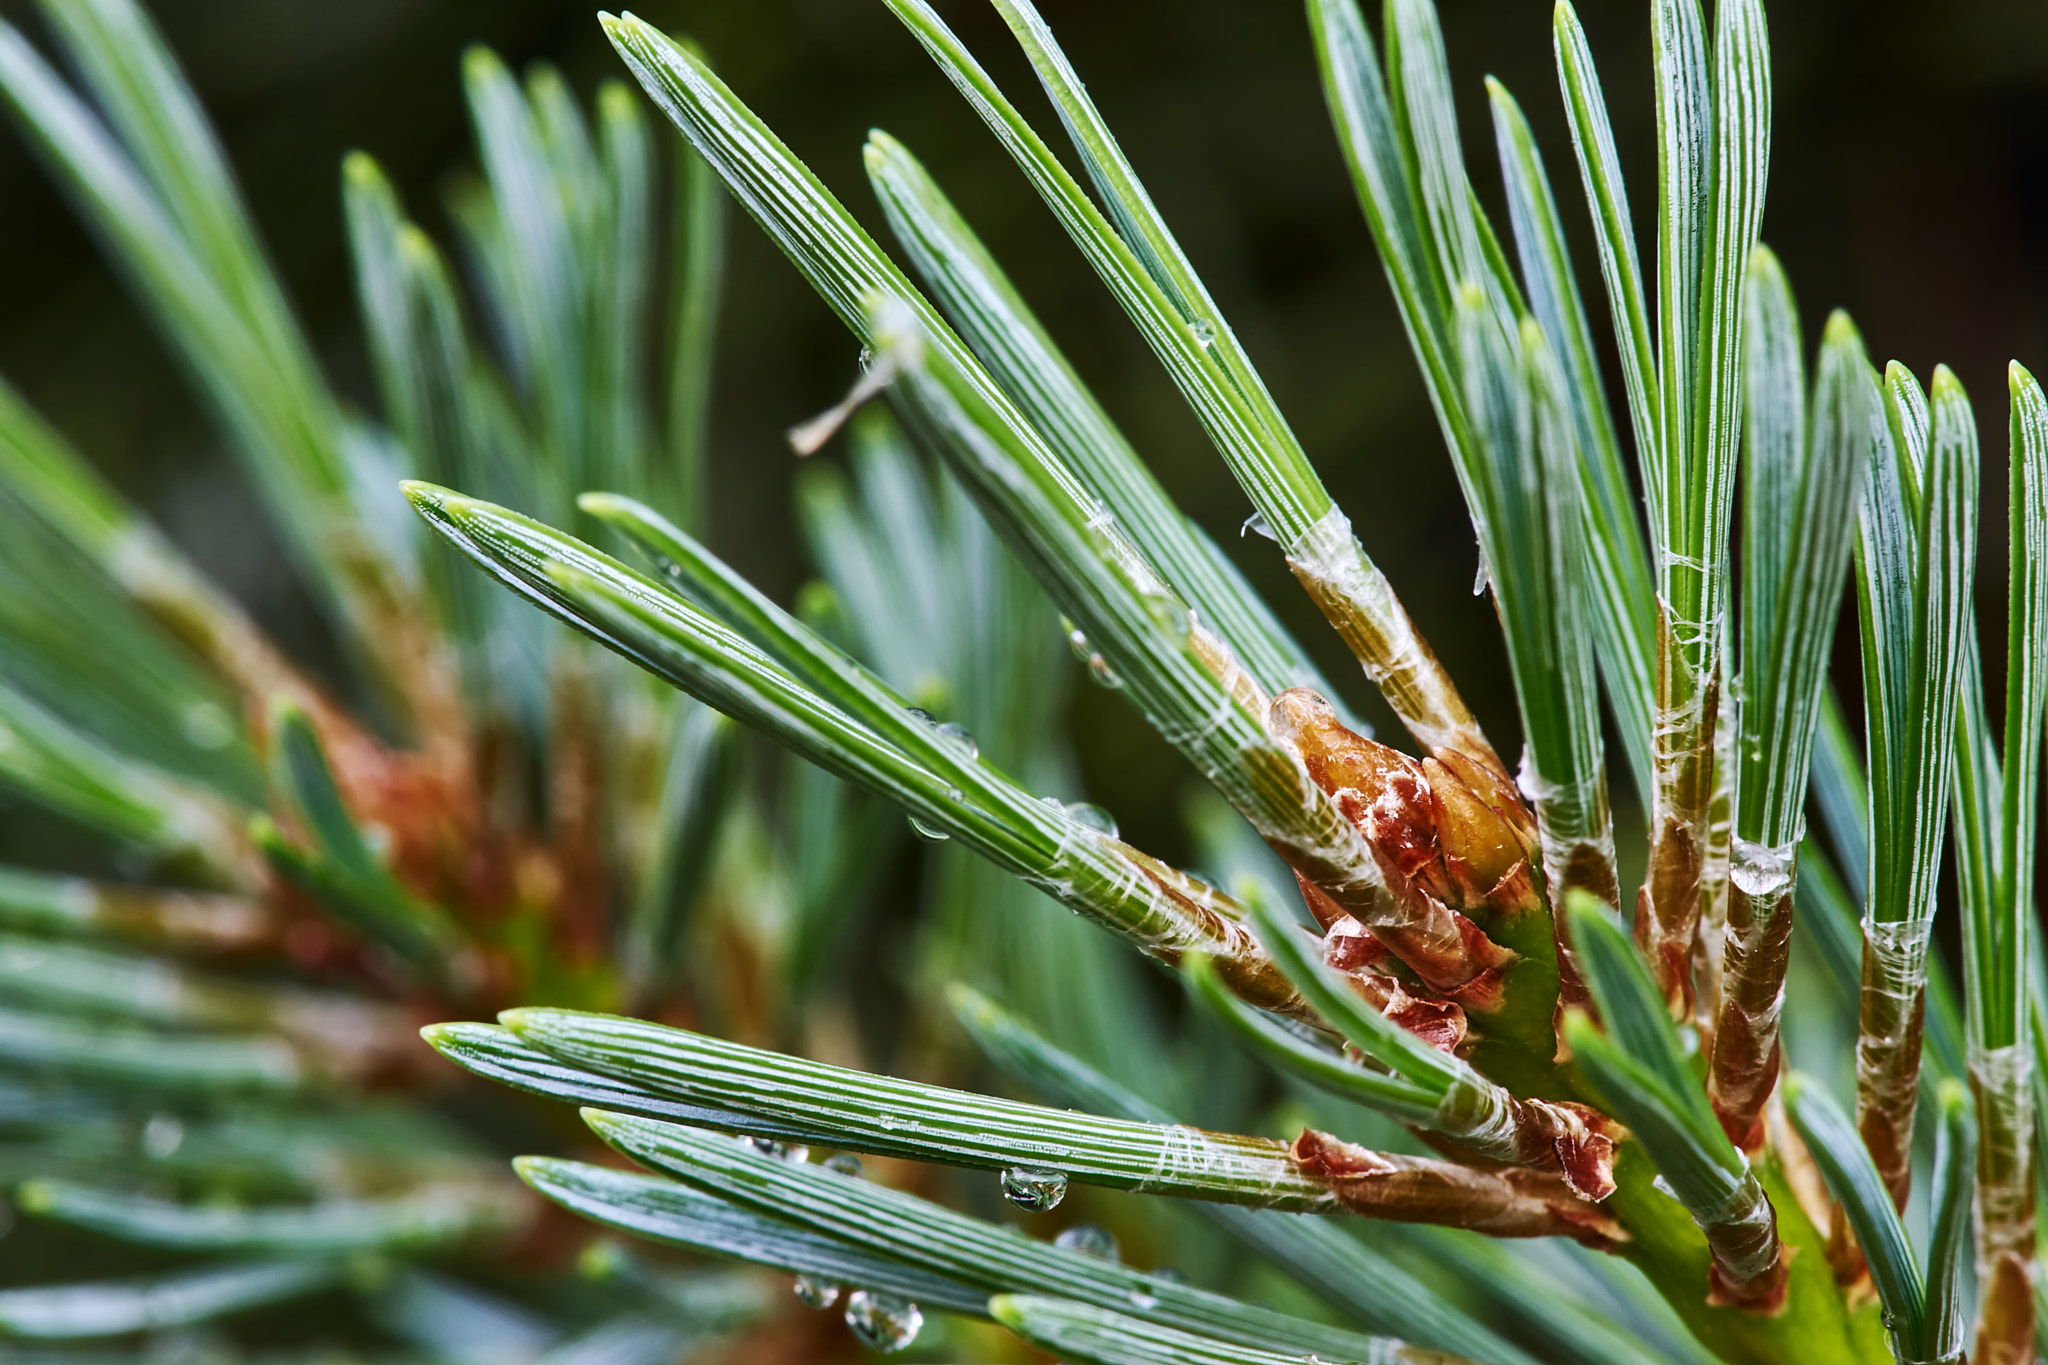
(1909, 185)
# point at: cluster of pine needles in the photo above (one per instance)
(1525, 1112)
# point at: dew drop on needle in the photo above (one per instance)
(815, 1292)
(883, 1322)
(1090, 1240)
(1034, 1190)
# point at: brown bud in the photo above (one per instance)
(1447, 827)
(1418, 910)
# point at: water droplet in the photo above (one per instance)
(1170, 616)
(1170, 1275)
(1689, 1039)
(924, 831)
(952, 732)
(1481, 578)
(1203, 331)
(867, 355)
(883, 1322)
(846, 1163)
(962, 740)
(816, 1292)
(1092, 816)
(781, 1151)
(1099, 669)
(1090, 1240)
(1034, 1190)
(1256, 523)
(162, 1136)
(1142, 1301)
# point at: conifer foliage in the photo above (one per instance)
(1536, 1113)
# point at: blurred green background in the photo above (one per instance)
(1909, 184)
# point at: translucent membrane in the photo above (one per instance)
(1573, 825)
(1359, 601)
(2003, 1079)
(1888, 1042)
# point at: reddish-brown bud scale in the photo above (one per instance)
(1669, 904)
(1888, 1079)
(1504, 1202)
(1349, 946)
(1730, 1283)
(1664, 926)
(1485, 825)
(1572, 1139)
(1349, 949)
(1746, 1048)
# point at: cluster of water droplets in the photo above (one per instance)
(1098, 667)
(1033, 1189)
(884, 1322)
(961, 741)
